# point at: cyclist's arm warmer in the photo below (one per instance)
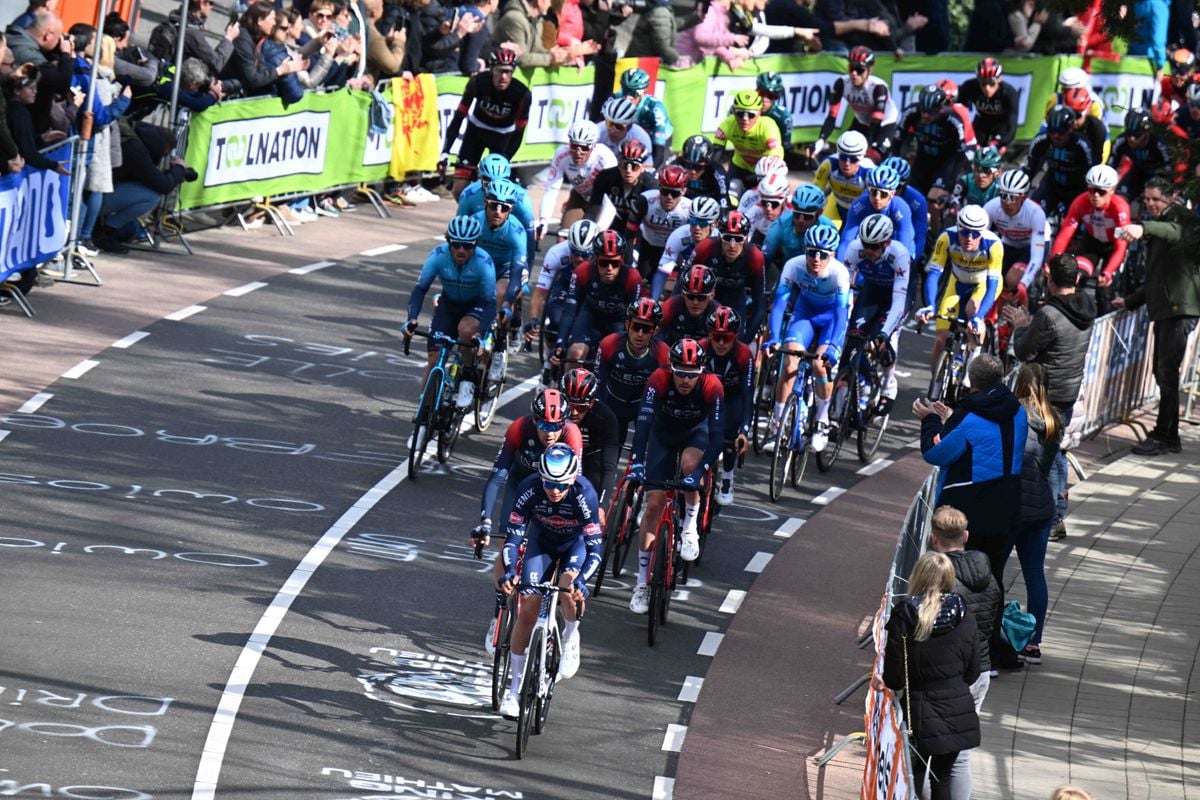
(576, 296)
(899, 295)
(1070, 224)
(460, 114)
(523, 211)
(645, 418)
(835, 105)
(520, 263)
(659, 282)
(773, 244)
(486, 299)
(854, 217)
(783, 297)
(985, 294)
(758, 298)
(920, 220)
(720, 177)
(715, 394)
(747, 392)
(593, 534)
(937, 262)
(903, 222)
(554, 183)
(417, 298)
(514, 532)
(841, 321)
(1037, 248)
(500, 468)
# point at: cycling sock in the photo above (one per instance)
(569, 630)
(643, 567)
(889, 379)
(822, 410)
(690, 512)
(778, 411)
(518, 669)
(727, 475)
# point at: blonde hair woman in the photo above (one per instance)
(933, 654)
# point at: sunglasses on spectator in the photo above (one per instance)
(556, 486)
(1011, 198)
(686, 374)
(317, 14)
(581, 148)
(732, 238)
(496, 205)
(970, 234)
(641, 327)
(847, 159)
(807, 216)
(745, 114)
(549, 427)
(770, 203)
(1096, 190)
(457, 245)
(692, 165)
(722, 338)
(696, 298)
(699, 223)
(670, 192)
(819, 255)
(880, 193)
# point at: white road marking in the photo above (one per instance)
(81, 369)
(34, 403)
(130, 340)
(664, 788)
(4, 435)
(385, 249)
(914, 444)
(903, 374)
(184, 313)
(307, 268)
(673, 741)
(789, 527)
(680, 595)
(691, 689)
(244, 289)
(759, 562)
(708, 647)
(878, 465)
(828, 496)
(733, 601)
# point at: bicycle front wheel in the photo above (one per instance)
(487, 400)
(529, 689)
(501, 664)
(425, 424)
(941, 385)
(843, 401)
(629, 533)
(870, 433)
(764, 403)
(613, 527)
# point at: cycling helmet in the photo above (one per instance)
(774, 187)
(808, 198)
(1072, 76)
(646, 310)
(464, 229)
(1060, 119)
(632, 150)
(950, 88)
(875, 229)
(583, 132)
(931, 99)
(1182, 61)
(502, 57)
(696, 149)
(1102, 176)
(883, 177)
(723, 319)
(987, 158)
(579, 385)
(973, 218)
(822, 237)
(1193, 94)
(1077, 98)
(610, 246)
(770, 83)
(852, 143)
(902, 167)
(502, 191)
(688, 354)
(1014, 181)
(494, 167)
(989, 69)
(1162, 111)
(706, 208)
(747, 100)
(1084, 265)
(581, 236)
(735, 222)
(559, 464)
(1137, 122)
(861, 58)
(619, 109)
(550, 406)
(699, 280)
(770, 164)
(672, 177)
(634, 80)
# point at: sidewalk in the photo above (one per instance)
(1108, 708)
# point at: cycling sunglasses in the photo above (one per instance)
(732, 238)
(874, 248)
(670, 192)
(616, 126)
(848, 159)
(695, 297)
(745, 114)
(692, 165)
(686, 374)
(556, 486)
(641, 328)
(858, 69)
(631, 164)
(699, 223)
(880, 193)
(770, 203)
(457, 245)
(1011, 198)
(1096, 190)
(722, 338)
(971, 234)
(549, 427)
(581, 253)
(581, 148)
(496, 205)
(820, 255)
(807, 216)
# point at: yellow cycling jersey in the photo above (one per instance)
(843, 190)
(749, 146)
(973, 267)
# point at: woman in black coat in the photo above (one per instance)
(933, 654)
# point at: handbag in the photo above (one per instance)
(1017, 626)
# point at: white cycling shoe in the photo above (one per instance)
(489, 644)
(725, 493)
(820, 437)
(510, 706)
(569, 664)
(689, 547)
(639, 603)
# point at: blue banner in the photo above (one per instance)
(34, 205)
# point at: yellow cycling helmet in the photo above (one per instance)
(747, 100)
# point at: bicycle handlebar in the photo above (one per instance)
(441, 338)
(550, 587)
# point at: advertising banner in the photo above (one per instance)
(34, 204)
(1121, 85)
(417, 144)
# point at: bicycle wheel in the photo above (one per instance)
(425, 424)
(448, 433)
(870, 432)
(782, 458)
(629, 533)
(941, 386)
(670, 549)
(803, 433)
(764, 405)
(613, 529)
(488, 399)
(529, 688)
(500, 660)
(658, 582)
(553, 655)
(708, 512)
(843, 401)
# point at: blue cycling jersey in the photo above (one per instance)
(811, 296)
(652, 116)
(472, 199)
(896, 210)
(507, 247)
(575, 516)
(783, 243)
(472, 284)
(918, 212)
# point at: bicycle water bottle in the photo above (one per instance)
(496, 367)
(864, 393)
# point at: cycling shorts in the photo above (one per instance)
(543, 556)
(868, 315)
(954, 301)
(446, 317)
(590, 328)
(804, 331)
(475, 140)
(1015, 254)
(664, 449)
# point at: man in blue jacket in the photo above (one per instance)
(979, 447)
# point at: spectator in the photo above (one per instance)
(712, 36)
(983, 34)
(1171, 294)
(387, 41)
(35, 6)
(1057, 337)
(749, 16)
(979, 446)
(654, 35)
(1025, 20)
(21, 90)
(934, 36)
(597, 19)
(1071, 793)
(105, 147)
(197, 90)
(1150, 39)
(475, 46)
(10, 155)
(798, 14)
(977, 586)
(276, 52)
(320, 23)
(247, 65)
(1181, 29)
(134, 66)
(932, 653)
(446, 30)
(162, 43)
(43, 45)
(519, 28)
(855, 22)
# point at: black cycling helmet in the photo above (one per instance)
(699, 279)
(932, 99)
(687, 354)
(1137, 121)
(1060, 119)
(579, 385)
(646, 310)
(696, 149)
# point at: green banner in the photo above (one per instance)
(257, 148)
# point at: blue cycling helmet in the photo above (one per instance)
(902, 167)
(635, 80)
(464, 229)
(822, 237)
(502, 191)
(494, 167)
(808, 198)
(884, 177)
(559, 464)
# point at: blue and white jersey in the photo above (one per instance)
(576, 516)
(472, 284)
(783, 243)
(635, 132)
(811, 296)
(882, 282)
(896, 210)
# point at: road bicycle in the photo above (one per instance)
(795, 428)
(947, 383)
(857, 407)
(438, 415)
(620, 528)
(667, 566)
(541, 666)
(493, 366)
(765, 379)
(502, 635)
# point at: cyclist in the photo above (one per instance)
(625, 361)
(843, 175)
(738, 269)
(504, 240)
(1187, 117)
(751, 135)
(879, 269)
(733, 362)
(879, 198)
(558, 518)
(685, 315)
(683, 240)
(1174, 87)
(597, 298)
(767, 165)
(1088, 230)
(651, 112)
(468, 300)
(1076, 78)
(816, 287)
(1139, 153)
(1079, 100)
(680, 421)
(495, 167)
(918, 209)
(771, 197)
(667, 208)
(870, 100)
(496, 108)
(550, 293)
(1067, 157)
(979, 185)
(707, 176)
(620, 115)
(975, 259)
(578, 162)
(942, 141)
(785, 237)
(617, 200)
(1021, 226)
(770, 89)
(597, 426)
(996, 104)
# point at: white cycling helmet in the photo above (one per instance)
(774, 187)
(1193, 94)
(875, 229)
(1071, 77)
(973, 218)
(705, 208)
(559, 464)
(852, 143)
(1102, 176)
(768, 165)
(582, 235)
(1014, 181)
(583, 132)
(619, 109)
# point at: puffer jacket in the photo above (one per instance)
(1057, 338)
(976, 585)
(940, 672)
(980, 449)
(655, 33)
(1037, 500)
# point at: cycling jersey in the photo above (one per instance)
(782, 118)
(1135, 164)
(1024, 231)
(748, 200)
(1066, 168)
(601, 447)
(520, 452)
(871, 104)
(556, 264)
(581, 177)
(673, 419)
(1176, 95)
(678, 324)
(472, 201)
(595, 308)
(967, 191)
(1096, 132)
(714, 183)
(882, 285)
(974, 273)
(741, 283)
(566, 533)
(843, 189)
(782, 242)
(735, 370)
(678, 250)
(1098, 223)
(502, 114)
(820, 305)
(625, 207)
(918, 210)
(635, 132)
(507, 245)
(652, 116)
(896, 210)
(995, 119)
(622, 373)
(472, 285)
(941, 145)
(659, 223)
(763, 139)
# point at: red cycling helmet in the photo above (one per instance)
(647, 311)
(1182, 61)
(1162, 112)
(610, 246)
(688, 354)
(950, 88)
(579, 385)
(724, 319)
(549, 406)
(632, 150)
(502, 57)
(989, 69)
(1084, 266)
(861, 58)
(673, 177)
(699, 280)
(1078, 99)
(735, 222)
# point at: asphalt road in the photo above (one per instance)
(214, 480)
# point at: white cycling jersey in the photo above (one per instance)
(580, 177)
(636, 132)
(659, 223)
(557, 258)
(1027, 228)
(890, 272)
(678, 243)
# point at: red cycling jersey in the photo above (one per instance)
(1099, 223)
